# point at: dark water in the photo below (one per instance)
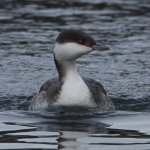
(28, 29)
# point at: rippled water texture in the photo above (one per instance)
(28, 29)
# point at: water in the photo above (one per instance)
(28, 30)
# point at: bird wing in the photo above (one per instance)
(47, 94)
(99, 94)
(52, 88)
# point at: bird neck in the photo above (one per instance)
(66, 69)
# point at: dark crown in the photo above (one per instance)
(75, 36)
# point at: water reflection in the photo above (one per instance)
(73, 129)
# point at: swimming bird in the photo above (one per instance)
(70, 89)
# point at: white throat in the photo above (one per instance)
(70, 51)
(74, 91)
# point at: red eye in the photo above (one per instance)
(82, 42)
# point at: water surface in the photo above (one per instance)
(28, 30)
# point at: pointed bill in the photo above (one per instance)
(100, 47)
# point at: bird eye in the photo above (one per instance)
(82, 42)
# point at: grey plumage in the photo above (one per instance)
(99, 94)
(50, 90)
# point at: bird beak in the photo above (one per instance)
(100, 47)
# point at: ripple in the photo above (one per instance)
(28, 31)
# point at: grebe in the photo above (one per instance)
(70, 89)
